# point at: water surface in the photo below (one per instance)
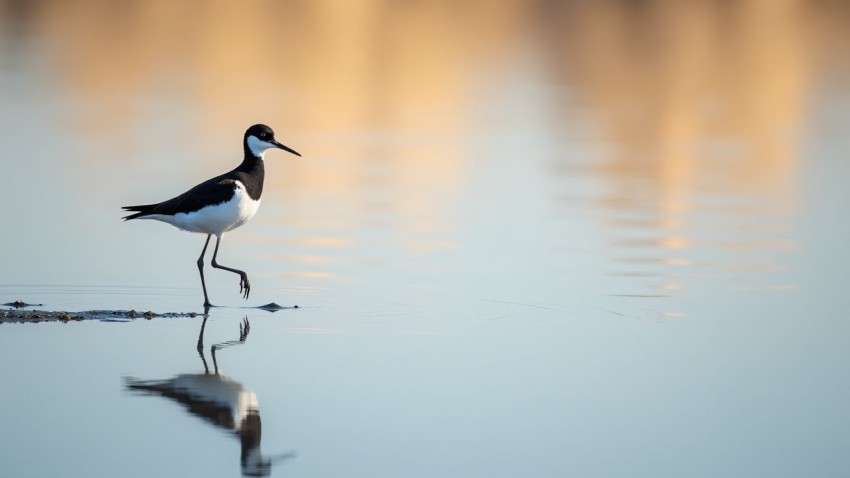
(592, 240)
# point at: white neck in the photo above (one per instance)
(258, 146)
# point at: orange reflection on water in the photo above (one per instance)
(698, 101)
(691, 95)
(306, 259)
(394, 106)
(696, 95)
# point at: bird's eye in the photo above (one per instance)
(262, 135)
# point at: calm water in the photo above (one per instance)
(583, 240)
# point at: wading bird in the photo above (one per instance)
(220, 204)
(219, 400)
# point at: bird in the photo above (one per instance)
(220, 204)
(219, 400)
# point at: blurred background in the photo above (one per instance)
(551, 172)
(509, 137)
(525, 142)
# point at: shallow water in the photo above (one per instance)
(591, 240)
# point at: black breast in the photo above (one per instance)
(251, 173)
(218, 189)
(213, 191)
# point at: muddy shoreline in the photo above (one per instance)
(35, 316)
(22, 312)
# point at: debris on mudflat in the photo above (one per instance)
(36, 316)
(19, 304)
(274, 307)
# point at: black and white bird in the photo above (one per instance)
(220, 204)
(219, 400)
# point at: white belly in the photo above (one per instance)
(219, 390)
(216, 219)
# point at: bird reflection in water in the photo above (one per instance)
(219, 400)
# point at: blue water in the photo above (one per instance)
(522, 241)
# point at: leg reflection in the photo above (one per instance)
(220, 401)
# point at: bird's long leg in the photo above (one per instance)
(244, 328)
(201, 270)
(201, 345)
(244, 285)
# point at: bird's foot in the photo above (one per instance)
(244, 286)
(244, 328)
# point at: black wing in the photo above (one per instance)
(209, 410)
(214, 191)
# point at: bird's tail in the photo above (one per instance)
(145, 386)
(138, 211)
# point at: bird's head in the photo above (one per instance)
(259, 138)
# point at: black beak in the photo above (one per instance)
(281, 146)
